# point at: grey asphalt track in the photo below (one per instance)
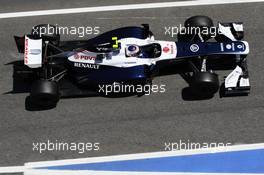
(129, 124)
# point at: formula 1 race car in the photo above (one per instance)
(130, 55)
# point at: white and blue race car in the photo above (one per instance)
(131, 55)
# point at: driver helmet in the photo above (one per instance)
(132, 50)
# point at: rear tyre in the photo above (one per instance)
(45, 93)
(205, 83)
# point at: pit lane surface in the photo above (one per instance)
(130, 124)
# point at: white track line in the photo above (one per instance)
(122, 7)
(84, 172)
(30, 165)
(12, 169)
(148, 155)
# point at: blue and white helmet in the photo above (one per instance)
(132, 50)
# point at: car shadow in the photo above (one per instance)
(189, 95)
(23, 85)
(31, 106)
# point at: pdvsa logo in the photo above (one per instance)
(76, 56)
(84, 57)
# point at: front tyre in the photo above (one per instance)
(45, 93)
(204, 83)
(195, 26)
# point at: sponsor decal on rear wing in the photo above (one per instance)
(33, 52)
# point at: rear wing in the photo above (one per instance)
(32, 49)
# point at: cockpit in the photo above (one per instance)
(147, 51)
